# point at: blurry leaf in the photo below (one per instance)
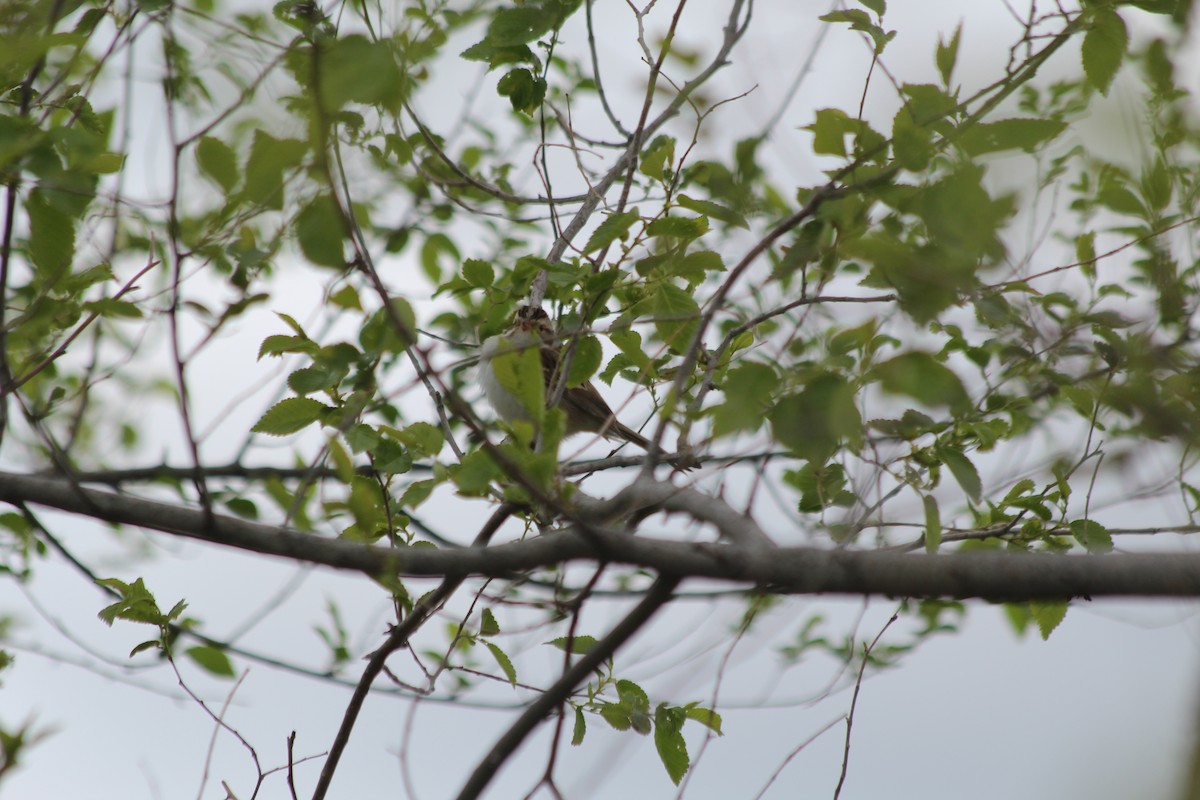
(268, 160)
(713, 210)
(212, 660)
(354, 69)
(821, 417)
(748, 389)
(585, 361)
(1010, 134)
(217, 161)
(947, 55)
(657, 157)
(517, 26)
(676, 316)
(1104, 46)
(524, 90)
(922, 377)
(933, 524)
(320, 230)
(51, 235)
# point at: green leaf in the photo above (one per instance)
(714, 210)
(821, 417)
(579, 644)
(218, 162)
(933, 524)
(585, 361)
(686, 228)
(268, 160)
(668, 740)
(580, 729)
(706, 717)
(355, 69)
(1104, 46)
(475, 473)
(676, 316)
(1092, 535)
(947, 55)
(911, 143)
(963, 470)
(1010, 134)
(614, 227)
(290, 415)
(518, 369)
(111, 307)
(487, 623)
(51, 235)
(524, 90)
(925, 379)
(516, 26)
(1048, 615)
(478, 273)
(320, 230)
(212, 660)
(422, 438)
(658, 157)
(504, 661)
(748, 389)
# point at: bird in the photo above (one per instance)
(586, 410)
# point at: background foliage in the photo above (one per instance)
(247, 255)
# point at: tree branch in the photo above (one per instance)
(785, 570)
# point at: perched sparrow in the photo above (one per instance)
(585, 408)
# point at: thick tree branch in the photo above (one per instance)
(789, 570)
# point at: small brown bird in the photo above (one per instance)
(585, 408)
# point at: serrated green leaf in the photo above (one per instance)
(504, 661)
(668, 740)
(211, 660)
(290, 415)
(579, 645)
(713, 210)
(1048, 615)
(1092, 535)
(686, 228)
(706, 717)
(478, 273)
(614, 227)
(487, 623)
(748, 389)
(963, 471)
